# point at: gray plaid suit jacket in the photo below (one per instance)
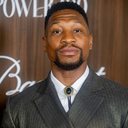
(100, 103)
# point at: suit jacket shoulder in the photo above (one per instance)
(112, 88)
(28, 94)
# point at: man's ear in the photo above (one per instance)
(44, 41)
(90, 42)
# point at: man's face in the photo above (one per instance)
(67, 39)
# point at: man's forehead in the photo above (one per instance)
(62, 6)
(66, 14)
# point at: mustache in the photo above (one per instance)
(67, 45)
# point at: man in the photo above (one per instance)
(72, 96)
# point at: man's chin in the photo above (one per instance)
(69, 63)
(68, 66)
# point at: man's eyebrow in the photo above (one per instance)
(54, 22)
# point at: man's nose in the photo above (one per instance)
(68, 38)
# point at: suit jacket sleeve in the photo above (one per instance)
(7, 121)
(126, 122)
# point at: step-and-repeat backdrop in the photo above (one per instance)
(22, 60)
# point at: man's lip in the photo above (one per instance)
(69, 51)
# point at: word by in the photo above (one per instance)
(19, 88)
(10, 7)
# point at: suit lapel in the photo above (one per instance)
(51, 109)
(86, 103)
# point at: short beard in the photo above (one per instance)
(70, 66)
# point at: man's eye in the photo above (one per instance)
(77, 31)
(56, 32)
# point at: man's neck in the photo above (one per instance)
(68, 77)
